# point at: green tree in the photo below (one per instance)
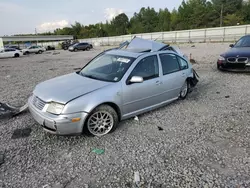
(232, 19)
(164, 20)
(120, 24)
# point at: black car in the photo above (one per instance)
(80, 46)
(237, 58)
(48, 48)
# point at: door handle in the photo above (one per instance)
(158, 82)
(183, 74)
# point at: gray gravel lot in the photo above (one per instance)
(205, 141)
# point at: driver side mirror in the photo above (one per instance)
(136, 79)
(231, 45)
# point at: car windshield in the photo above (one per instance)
(76, 44)
(243, 42)
(107, 67)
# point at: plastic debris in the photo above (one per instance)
(136, 118)
(136, 178)
(8, 111)
(227, 96)
(160, 128)
(1, 158)
(98, 151)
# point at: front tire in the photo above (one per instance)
(184, 90)
(87, 48)
(16, 55)
(101, 121)
(40, 51)
(75, 50)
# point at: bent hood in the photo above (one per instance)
(66, 88)
(241, 52)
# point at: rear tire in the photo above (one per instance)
(101, 121)
(184, 90)
(40, 51)
(16, 55)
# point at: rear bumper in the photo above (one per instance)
(58, 124)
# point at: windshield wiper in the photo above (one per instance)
(95, 78)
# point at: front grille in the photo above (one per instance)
(237, 60)
(38, 103)
(243, 60)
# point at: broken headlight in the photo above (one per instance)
(55, 108)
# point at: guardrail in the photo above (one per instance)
(218, 34)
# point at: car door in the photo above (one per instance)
(141, 97)
(80, 46)
(9, 52)
(173, 77)
(2, 53)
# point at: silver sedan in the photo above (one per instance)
(114, 86)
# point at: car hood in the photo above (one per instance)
(242, 52)
(65, 88)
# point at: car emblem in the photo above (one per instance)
(237, 56)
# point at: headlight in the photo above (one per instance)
(221, 58)
(55, 108)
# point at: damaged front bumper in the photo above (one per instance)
(58, 124)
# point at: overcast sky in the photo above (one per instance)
(23, 16)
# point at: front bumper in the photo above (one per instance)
(58, 124)
(235, 67)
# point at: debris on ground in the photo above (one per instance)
(191, 59)
(21, 133)
(98, 151)
(56, 53)
(192, 46)
(137, 178)
(77, 68)
(227, 96)
(160, 128)
(136, 118)
(217, 92)
(8, 111)
(1, 157)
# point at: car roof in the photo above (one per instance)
(134, 54)
(10, 48)
(124, 53)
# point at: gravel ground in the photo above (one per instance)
(202, 141)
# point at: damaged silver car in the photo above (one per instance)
(115, 85)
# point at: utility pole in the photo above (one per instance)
(36, 36)
(221, 15)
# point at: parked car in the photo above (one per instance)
(114, 86)
(237, 58)
(34, 49)
(10, 52)
(13, 46)
(80, 46)
(48, 48)
(66, 44)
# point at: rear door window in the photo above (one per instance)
(183, 63)
(170, 63)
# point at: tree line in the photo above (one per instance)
(191, 14)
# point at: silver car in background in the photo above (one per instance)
(116, 85)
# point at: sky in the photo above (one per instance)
(26, 16)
